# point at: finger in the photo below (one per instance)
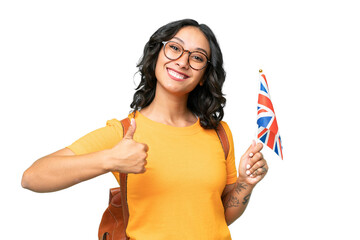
(247, 162)
(144, 167)
(245, 158)
(249, 150)
(131, 131)
(256, 166)
(146, 147)
(256, 157)
(254, 148)
(260, 171)
(257, 148)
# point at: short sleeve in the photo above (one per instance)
(100, 139)
(230, 161)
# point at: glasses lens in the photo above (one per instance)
(173, 50)
(197, 60)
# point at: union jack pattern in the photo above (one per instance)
(268, 131)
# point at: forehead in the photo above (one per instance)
(192, 38)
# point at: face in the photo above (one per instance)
(176, 76)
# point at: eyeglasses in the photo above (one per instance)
(197, 60)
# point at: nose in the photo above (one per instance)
(183, 61)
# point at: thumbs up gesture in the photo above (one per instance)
(253, 167)
(128, 156)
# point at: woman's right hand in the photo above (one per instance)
(128, 156)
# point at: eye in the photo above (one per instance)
(198, 57)
(174, 47)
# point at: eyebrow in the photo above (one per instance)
(200, 49)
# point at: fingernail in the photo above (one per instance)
(251, 175)
(248, 172)
(251, 154)
(248, 166)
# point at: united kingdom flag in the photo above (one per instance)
(268, 131)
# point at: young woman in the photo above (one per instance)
(180, 186)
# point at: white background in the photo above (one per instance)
(68, 66)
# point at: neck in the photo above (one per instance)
(169, 109)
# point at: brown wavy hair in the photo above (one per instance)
(206, 101)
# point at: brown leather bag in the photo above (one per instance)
(115, 218)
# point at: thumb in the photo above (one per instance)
(131, 130)
(249, 151)
(244, 163)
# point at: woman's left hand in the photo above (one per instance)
(253, 167)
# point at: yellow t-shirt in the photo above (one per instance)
(179, 195)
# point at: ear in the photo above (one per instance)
(201, 83)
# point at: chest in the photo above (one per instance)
(181, 164)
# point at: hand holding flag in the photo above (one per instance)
(253, 167)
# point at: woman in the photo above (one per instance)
(179, 186)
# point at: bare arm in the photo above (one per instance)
(252, 168)
(63, 168)
(235, 200)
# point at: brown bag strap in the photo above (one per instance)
(223, 139)
(123, 179)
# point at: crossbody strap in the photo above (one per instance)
(123, 180)
(223, 139)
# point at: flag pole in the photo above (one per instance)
(256, 129)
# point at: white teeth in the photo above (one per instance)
(175, 74)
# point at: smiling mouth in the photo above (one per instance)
(176, 75)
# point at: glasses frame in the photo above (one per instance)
(182, 52)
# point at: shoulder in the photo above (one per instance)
(102, 138)
(113, 122)
(229, 137)
(224, 124)
(226, 128)
(116, 125)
